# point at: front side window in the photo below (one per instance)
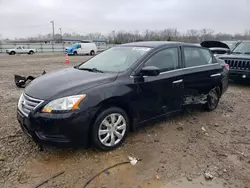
(197, 56)
(116, 59)
(165, 60)
(242, 48)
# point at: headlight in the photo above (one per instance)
(64, 104)
(20, 101)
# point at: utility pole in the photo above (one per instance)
(53, 30)
(61, 34)
(113, 32)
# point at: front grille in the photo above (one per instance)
(238, 64)
(26, 104)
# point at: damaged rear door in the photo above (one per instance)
(201, 73)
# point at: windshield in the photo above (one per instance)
(242, 48)
(75, 45)
(116, 59)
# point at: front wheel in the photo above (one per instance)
(31, 53)
(75, 53)
(110, 129)
(213, 99)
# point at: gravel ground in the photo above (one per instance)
(181, 149)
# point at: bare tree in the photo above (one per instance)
(168, 34)
(206, 34)
(193, 35)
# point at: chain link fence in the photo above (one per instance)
(45, 48)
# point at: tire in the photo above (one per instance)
(31, 53)
(92, 52)
(108, 129)
(75, 53)
(12, 53)
(213, 99)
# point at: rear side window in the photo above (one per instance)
(197, 56)
(165, 60)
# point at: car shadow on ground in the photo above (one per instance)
(243, 83)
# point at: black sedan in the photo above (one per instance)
(98, 102)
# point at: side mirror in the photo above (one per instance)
(150, 71)
(228, 51)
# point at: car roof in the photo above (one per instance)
(155, 44)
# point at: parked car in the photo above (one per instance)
(220, 47)
(20, 50)
(239, 62)
(216, 47)
(98, 102)
(83, 48)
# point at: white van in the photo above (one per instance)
(83, 48)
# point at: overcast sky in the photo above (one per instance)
(22, 18)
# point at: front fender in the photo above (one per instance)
(105, 96)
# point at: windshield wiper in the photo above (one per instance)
(247, 53)
(91, 69)
(236, 53)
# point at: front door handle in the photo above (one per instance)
(215, 75)
(177, 81)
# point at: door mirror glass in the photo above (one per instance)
(150, 71)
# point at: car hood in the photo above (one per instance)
(214, 44)
(235, 56)
(66, 82)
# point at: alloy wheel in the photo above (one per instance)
(112, 130)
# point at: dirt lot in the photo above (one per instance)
(181, 149)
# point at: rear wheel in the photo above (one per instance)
(92, 52)
(110, 129)
(213, 99)
(12, 53)
(75, 53)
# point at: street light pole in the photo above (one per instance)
(53, 30)
(61, 34)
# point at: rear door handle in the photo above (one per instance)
(177, 81)
(215, 75)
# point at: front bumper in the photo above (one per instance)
(239, 74)
(57, 129)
